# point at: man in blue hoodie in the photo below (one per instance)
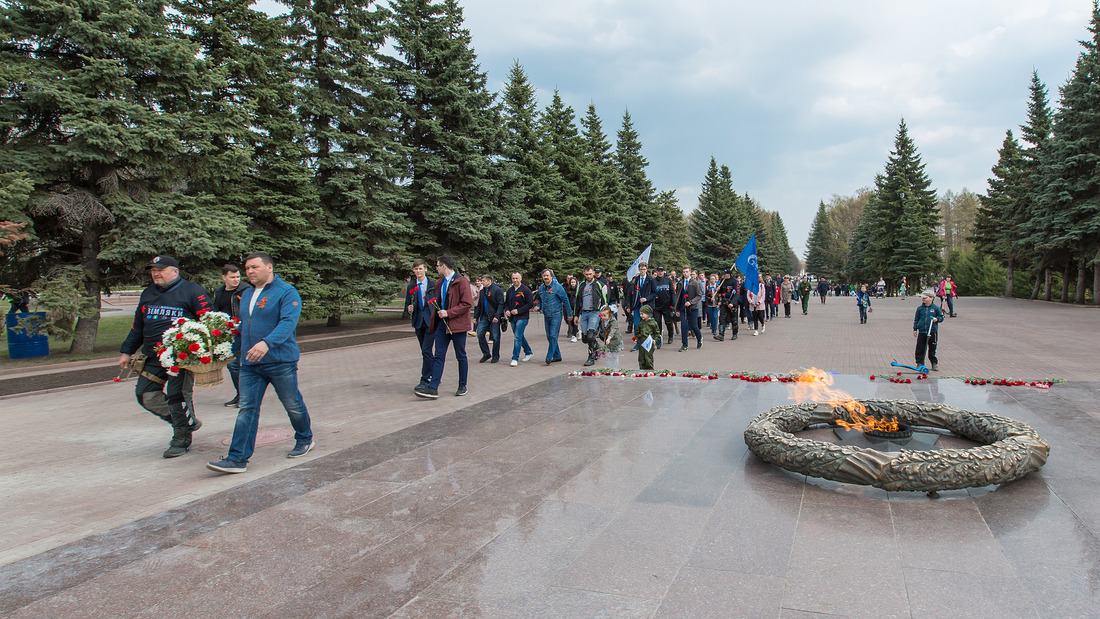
(269, 317)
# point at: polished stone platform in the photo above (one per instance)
(617, 497)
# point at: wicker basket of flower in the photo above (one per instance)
(203, 347)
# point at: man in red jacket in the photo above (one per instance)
(449, 324)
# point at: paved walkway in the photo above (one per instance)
(98, 497)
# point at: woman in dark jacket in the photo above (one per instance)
(571, 290)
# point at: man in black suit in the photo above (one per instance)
(417, 295)
(488, 312)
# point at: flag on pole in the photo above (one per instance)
(643, 257)
(747, 264)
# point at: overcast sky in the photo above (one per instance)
(801, 99)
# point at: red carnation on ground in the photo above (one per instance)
(872, 377)
(194, 347)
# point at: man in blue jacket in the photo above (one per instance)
(553, 301)
(269, 317)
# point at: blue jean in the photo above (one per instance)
(552, 322)
(486, 324)
(519, 325)
(254, 382)
(442, 339)
(590, 321)
(712, 319)
(689, 321)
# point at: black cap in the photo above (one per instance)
(161, 262)
(727, 272)
(598, 270)
(658, 268)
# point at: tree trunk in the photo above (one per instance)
(1038, 281)
(1008, 279)
(87, 328)
(1046, 284)
(1065, 282)
(1096, 280)
(333, 321)
(1080, 297)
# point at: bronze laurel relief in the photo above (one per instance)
(1010, 449)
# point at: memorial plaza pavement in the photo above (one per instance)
(546, 495)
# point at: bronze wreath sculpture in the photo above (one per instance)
(1010, 449)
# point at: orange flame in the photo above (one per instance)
(814, 385)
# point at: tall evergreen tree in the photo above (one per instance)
(608, 200)
(97, 114)
(902, 186)
(998, 226)
(581, 239)
(275, 192)
(641, 205)
(1035, 134)
(347, 110)
(1067, 196)
(719, 224)
(817, 244)
(525, 185)
(781, 246)
(675, 246)
(449, 126)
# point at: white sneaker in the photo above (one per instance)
(763, 328)
(756, 333)
(527, 357)
(514, 363)
(573, 339)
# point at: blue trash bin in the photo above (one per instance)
(22, 345)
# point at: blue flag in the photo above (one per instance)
(747, 264)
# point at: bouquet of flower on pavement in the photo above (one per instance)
(198, 342)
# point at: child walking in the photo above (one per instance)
(863, 300)
(608, 333)
(647, 327)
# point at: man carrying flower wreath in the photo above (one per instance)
(269, 319)
(168, 299)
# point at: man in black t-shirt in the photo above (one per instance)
(169, 298)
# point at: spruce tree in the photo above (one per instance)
(642, 212)
(1067, 209)
(275, 194)
(709, 222)
(902, 187)
(523, 157)
(451, 130)
(347, 111)
(608, 199)
(580, 238)
(781, 245)
(1035, 134)
(98, 116)
(675, 245)
(818, 242)
(998, 225)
